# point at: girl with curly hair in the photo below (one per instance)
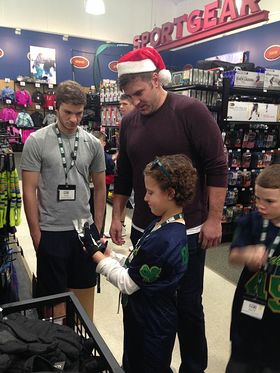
(150, 276)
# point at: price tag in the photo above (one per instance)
(7, 80)
(50, 107)
(37, 85)
(37, 107)
(11, 121)
(8, 101)
(22, 84)
(50, 85)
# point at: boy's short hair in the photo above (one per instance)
(70, 92)
(125, 97)
(269, 177)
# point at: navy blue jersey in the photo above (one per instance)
(252, 339)
(110, 164)
(150, 318)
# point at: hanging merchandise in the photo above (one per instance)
(24, 120)
(25, 133)
(38, 97)
(49, 118)
(10, 197)
(7, 114)
(23, 98)
(10, 217)
(49, 100)
(8, 95)
(37, 118)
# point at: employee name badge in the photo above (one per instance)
(253, 308)
(66, 192)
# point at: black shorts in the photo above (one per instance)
(62, 264)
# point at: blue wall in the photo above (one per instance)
(255, 41)
(16, 47)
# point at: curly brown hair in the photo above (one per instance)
(177, 172)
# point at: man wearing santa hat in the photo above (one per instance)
(168, 123)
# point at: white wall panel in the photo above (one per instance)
(123, 18)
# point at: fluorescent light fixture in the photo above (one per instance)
(18, 31)
(96, 7)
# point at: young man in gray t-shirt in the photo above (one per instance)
(57, 163)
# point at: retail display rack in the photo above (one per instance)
(249, 122)
(110, 112)
(25, 106)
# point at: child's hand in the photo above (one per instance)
(255, 256)
(107, 251)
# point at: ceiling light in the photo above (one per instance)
(96, 7)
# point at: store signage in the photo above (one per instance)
(216, 18)
(1, 53)
(113, 66)
(80, 62)
(272, 53)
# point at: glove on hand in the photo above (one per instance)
(91, 240)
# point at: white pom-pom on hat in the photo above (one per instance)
(164, 76)
(143, 60)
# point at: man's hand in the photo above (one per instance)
(211, 233)
(116, 232)
(36, 238)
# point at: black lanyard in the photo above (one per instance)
(273, 246)
(62, 151)
(148, 232)
(271, 250)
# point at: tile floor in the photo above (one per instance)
(218, 294)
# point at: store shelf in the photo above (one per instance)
(109, 103)
(194, 86)
(226, 121)
(254, 92)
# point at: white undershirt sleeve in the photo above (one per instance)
(119, 257)
(117, 275)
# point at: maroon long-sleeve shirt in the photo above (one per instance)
(180, 125)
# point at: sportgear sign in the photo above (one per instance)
(216, 18)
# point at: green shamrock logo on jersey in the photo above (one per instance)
(149, 274)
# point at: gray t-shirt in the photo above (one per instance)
(41, 154)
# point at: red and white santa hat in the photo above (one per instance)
(143, 60)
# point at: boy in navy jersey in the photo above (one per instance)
(255, 326)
